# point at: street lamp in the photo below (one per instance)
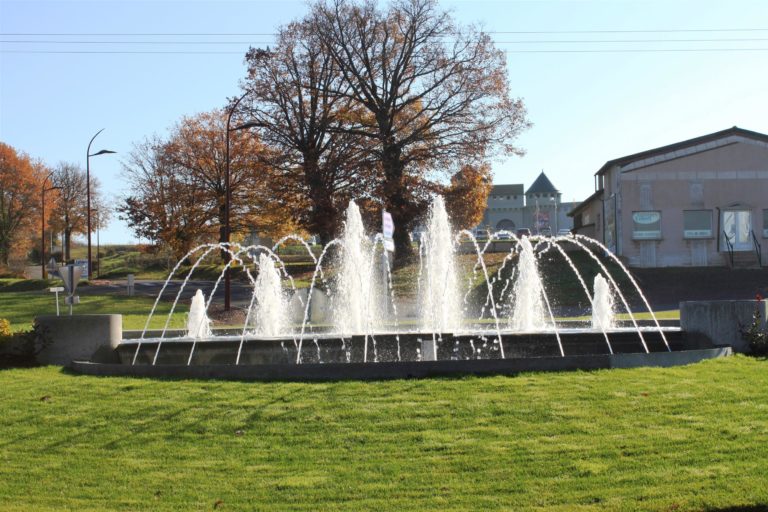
(88, 192)
(228, 196)
(554, 201)
(42, 224)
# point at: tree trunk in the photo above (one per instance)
(396, 202)
(324, 216)
(5, 250)
(67, 241)
(223, 227)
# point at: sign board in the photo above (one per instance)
(71, 276)
(387, 225)
(53, 268)
(387, 230)
(646, 217)
(83, 264)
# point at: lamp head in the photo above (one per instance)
(103, 152)
(249, 124)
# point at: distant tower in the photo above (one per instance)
(541, 203)
(542, 189)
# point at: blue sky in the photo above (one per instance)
(587, 106)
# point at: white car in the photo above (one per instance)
(563, 232)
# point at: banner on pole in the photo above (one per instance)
(387, 230)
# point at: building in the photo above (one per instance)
(511, 207)
(700, 202)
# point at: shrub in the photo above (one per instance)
(755, 334)
(21, 348)
(5, 327)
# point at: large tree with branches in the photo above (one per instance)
(296, 96)
(436, 94)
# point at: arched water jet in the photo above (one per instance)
(295, 238)
(574, 240)
(488, 285)
(234, 257)
(209, 248)
(591, 300)
(632, 280)
(318, 268)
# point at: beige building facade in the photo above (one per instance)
(700, 202)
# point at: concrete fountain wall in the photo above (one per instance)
(721, 321)
(80, 337)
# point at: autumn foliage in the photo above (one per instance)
(467, 195)
(21, 181)
(178, 187)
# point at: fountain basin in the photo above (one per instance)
(402, 369)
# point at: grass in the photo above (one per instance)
(20, 308)
(677, 439)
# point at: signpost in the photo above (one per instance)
(83, 264)
(56, 290)
(71, 277)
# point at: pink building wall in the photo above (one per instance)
(731, 174)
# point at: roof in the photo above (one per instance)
(682, 145)
(542, 185)
(582, 205)
(507, 190)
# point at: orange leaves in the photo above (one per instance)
(466, 196)
(21, 181)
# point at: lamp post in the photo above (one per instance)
(88, 192)
(228, 196)
(554, 202)
(42, 224)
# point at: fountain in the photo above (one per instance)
(269, 309)
(439, 297)
(358, 301)
(351, 323)
(602, 309)
(528, 292)
(198, 323)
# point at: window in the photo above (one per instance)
(765, 223)
(697, 223)
(646, 225)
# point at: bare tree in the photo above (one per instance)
(69, 215)
(162, 206)
(436, 94)
(293, 95)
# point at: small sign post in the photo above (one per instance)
(56, 290)
(130, 284)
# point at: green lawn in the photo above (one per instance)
(686, 438)
(20, 308)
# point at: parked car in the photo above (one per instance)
(545, 232)
(563, 232)
(502, 236)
